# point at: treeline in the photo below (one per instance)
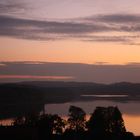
(104, 123)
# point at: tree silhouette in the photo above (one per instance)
(58, 124)
(19, 121)
(106, 121)
(76, 119)
(31, 120)
(117, 122)
(50, 124)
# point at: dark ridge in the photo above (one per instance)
(24, 97)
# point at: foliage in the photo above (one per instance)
(104, 123)
(52, 123)
(77, 119)
(106, 120)
(19, 121)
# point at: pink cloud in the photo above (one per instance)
(35, 77)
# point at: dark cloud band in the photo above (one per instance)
(99, 72)
(78, 28)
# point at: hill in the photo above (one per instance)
(24, 97)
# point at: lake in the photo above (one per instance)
(129, 109)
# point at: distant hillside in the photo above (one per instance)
(83, 87)
(23, 97)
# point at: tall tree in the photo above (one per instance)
(76, 119)
(106, 120)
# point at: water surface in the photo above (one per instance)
(130, 110)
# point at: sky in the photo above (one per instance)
(70, 31)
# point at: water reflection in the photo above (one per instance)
(132, 123)
(130, 108)
(130, 111)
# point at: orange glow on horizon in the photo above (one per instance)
(67, 51)
(35, 77)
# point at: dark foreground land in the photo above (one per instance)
(19, 99)
(104, 124)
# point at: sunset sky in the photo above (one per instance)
(71, 40)
(70, 31)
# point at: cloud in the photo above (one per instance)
(133, 64)
(84, 29)
(115, 18)
(117, 39)
(8, 7)
(120, 22)
(33, 29)
(2, 65)
(34, 77)
(99, 72)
